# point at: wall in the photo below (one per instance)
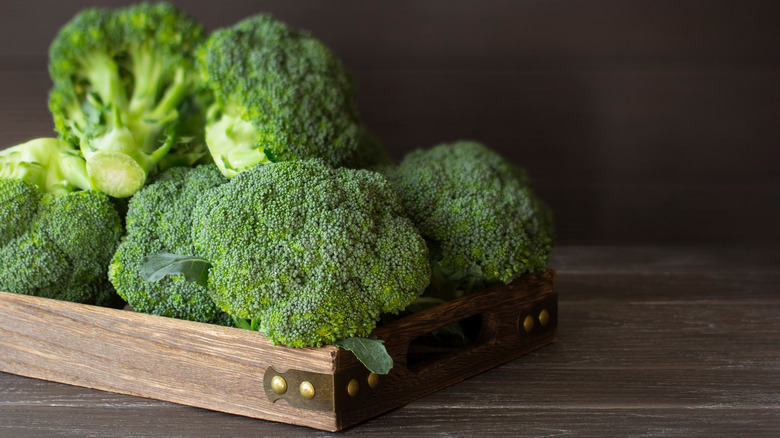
(641, 122)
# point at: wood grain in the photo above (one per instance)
(130, 353)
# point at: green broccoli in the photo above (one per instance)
(53, 165)
(316, 254)
(57, 245)
(280, 95)
(478, 214)
(159, 221)
(124, 88)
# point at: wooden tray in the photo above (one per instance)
(240, 372)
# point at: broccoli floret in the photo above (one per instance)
(53, 165)
(280, 95)
(478, 213)
(316, 253)
(57, 245)
(158, 221)
(19, 201)
(124, 88)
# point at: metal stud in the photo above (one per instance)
(353, 387)
(544, 317)
(307, 390)
(528, 323)
(373, 380)
(279, 385)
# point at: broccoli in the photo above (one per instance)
(159, 220)
(478, 214)
(124, 88)
(57, 245)
(317, 254)
(51, 164)
(280, 95)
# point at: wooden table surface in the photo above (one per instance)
(654, 340)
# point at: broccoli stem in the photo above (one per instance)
(53, 165)
(147, 72)
(115, 174)
(233, 144)
(120, 77)
(119, 160)
(103, 74)
(166, 107)
(116, 166)
(72, 167)
(144, 108)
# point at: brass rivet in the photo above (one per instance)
(307, 390)
(279, 385)
(528, 324)
(544, 317)
(373, 380)
(353, 387)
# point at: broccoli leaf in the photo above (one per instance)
(271, 157)
(155, 267)
(242, 323)
(245, 324)
(371, 352)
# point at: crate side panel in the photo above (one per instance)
(190, 363)
(501, 340)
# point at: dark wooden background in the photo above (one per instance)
(646, 121)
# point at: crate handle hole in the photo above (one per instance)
(443, 342)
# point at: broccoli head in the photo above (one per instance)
(159, 221)
(478, 213)
(57, 245)
(280, 95)
(124, 88)
(316, 254)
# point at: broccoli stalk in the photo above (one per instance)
(232, 142)
(123, 83)
(53, 165)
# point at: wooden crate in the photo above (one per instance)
(240, 371)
